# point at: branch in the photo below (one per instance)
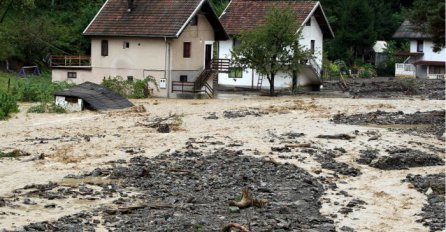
(229, 226)
(6, 11)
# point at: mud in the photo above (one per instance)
(256, 112)
(190, 191)
(428, 123)
(327, 160)
(433, 186)
(392, 87)
(399, 158)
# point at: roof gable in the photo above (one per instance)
(241, 15)
(150, 18)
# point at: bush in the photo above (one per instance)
(366, 71)
(46, 108)
(130, 89)
(8, 105)
(36, 89)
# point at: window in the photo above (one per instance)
(419, 45)
(126, 44)
(194, 21)
(235, 72)
(186, 49)
(183, 78)
(312, 46)
(104, 47)
(130, 78)
(308, 23)
(72, 75)
(235, 43)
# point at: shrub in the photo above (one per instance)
(36, 89)
(8, 105)
(130, 89)
(46, 108)
(366, 71)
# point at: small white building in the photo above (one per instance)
(422, 61)
(379, 49)
(241, 15)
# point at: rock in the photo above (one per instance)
(211, 116)
(406, 158)
(164, 128)
(234, 209)
(367, 156)
(50, 206)
(2, 202)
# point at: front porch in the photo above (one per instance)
(419, 70)
(204, 83)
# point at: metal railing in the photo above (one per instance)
(188, 87)
(70, 61)
(221, 65)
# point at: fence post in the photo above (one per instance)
(9, 84)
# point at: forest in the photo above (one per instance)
(31, 30)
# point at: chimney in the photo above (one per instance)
(130, 5)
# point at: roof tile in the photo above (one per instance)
(149, 18)
(247, 14)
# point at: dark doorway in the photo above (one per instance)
(208, 57)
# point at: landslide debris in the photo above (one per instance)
(183, 191)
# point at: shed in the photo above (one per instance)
(92, 96)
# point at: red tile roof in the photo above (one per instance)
(247, 14)
(148, 18)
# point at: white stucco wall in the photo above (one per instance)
(69, 106)
(429, 54)
(282, 80)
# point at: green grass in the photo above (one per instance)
(4, 77)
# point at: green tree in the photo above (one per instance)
(219, 6)
(429, 16)
(358, 23)
(272, 47)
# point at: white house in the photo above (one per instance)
(241, 15)
(422, 61)
(172, 41)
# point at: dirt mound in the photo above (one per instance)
(434, 187)
(256, 112)
(327, 160)
(391, 87)
(430, 122)
(189, 191)
(405, 158)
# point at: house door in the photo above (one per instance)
(208, 56)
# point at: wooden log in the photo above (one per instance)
(301, 145)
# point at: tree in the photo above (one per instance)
(271, 47)
(219, 6)
(429, 16)
(359, 23)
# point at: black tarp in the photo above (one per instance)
(96, 97)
